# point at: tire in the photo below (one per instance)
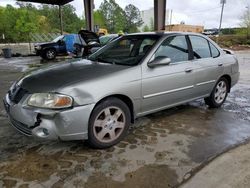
(50, 54)
(219, 94)
(109, 123)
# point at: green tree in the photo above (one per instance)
(145, 28)
(114, 16)
(151, 27)
(246, 21)
(25, 24)
(133, 18)
(99, 19)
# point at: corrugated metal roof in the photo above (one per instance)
(50, 2)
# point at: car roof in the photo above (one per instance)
(162, 33)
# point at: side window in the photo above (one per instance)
(200, 47)
(214, 51)
(175, 48)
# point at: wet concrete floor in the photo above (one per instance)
(161, 150)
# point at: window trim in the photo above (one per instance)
(215, 48)
(164, 39)
(211, 56)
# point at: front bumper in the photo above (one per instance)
(69, 124)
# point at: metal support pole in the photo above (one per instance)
(61, 19)
(89, 15)
(170, 23)
(221, 16)
(159, 14)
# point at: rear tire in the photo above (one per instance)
(109, 123)
(219, 94)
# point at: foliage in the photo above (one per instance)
(116, 19)
(114, 16)
(133, 18)
(246, 21)
(99, 19)
(17, 23)
(145, 28)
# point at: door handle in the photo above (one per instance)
(220, 64)
(188, 70)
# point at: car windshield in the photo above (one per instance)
(127, 50)
(58, 38)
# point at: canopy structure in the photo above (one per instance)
(60, 3)
(50, 2)
(159, 12)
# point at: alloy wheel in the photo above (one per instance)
(109, 124)
(220, 92)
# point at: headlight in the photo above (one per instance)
(38, 47)
(50, 100)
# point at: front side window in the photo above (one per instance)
(200, 47)
(175, 48)
(128, 50)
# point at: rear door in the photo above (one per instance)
(208, 64)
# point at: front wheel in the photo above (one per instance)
(109, 123)
(50, 54)
(219, 94)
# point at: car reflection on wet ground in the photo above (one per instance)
(161, 150)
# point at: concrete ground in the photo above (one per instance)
(162, 150)
(230, 170)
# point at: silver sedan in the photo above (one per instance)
(98, 98)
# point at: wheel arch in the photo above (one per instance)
(123, 98)
(229, 79)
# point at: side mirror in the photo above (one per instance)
(159, 61)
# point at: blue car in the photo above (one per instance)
(65, 44)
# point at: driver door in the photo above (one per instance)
(167, 85)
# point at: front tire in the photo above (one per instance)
(109, 123)
(219, 94)
(50, 54)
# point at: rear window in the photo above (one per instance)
(200, 47)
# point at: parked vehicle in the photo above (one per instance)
(59, 46)
(79, 44)
(138, 74)
(104, 40)
(107, 38)
(102, 32)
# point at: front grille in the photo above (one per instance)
(21, 127)
(16, 93)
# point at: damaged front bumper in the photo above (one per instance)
(67, 124)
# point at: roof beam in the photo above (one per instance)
(50, 2)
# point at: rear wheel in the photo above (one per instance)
(109, 123)
(219, 94)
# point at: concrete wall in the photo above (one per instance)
(21, 48)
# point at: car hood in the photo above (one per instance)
(89, 36)
(45, 44)
(54, 77)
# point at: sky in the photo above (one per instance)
(197, 12)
